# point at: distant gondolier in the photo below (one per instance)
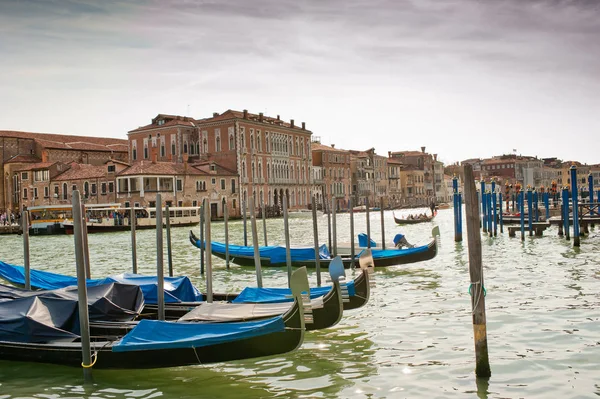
(432, 207)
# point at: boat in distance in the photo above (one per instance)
(275, 256)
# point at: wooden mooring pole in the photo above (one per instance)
(84, 321)
(132, 222)
(160, 274)
(264, 219)
(169, 252)
(286, 230)
(476, 288)
(26, 264)
(316, 240)
(351, 210)
(257, 264)
(208, 246)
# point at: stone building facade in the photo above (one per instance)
(336, 179)
(20, 150)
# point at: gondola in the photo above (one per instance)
(154, 344)
(326, 304)
(414, 220)
(271, 256)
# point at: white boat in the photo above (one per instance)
(51, 219)
(118, 219)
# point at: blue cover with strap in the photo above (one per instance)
(155, 334)
(177, 289)
(363, 240)
(276, 295)
(391, 253)
(276, 254)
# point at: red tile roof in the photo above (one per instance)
(172, 120)
(232, 114)
(37, 166)
(205, 167)
(396, 161)
(322, 147)
(23, 159)
(62, 141)
(82, 171)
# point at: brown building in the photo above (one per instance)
(20, 149)
(420, 160)
(271, 158)
(394, 166)
(180, 184)
(335, 181)
(412, 180)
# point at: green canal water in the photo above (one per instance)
(413, 339)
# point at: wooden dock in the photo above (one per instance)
(10, 229)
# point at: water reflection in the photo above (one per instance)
(327, 362)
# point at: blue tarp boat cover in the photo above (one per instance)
(276, 254)
(363, 240)
(177, 289)
(392, 253)
(43, 316)
(154, 334)
(276, 295)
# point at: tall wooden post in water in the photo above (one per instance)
(352, 254)
(575, 201)
(245, 225)
(382, 223)
(482, 362)
(169, 252)
(84, 321)
(86, 248)
(202, 243)
(257, 264)
(25, 224)
(316, 240)
(334, 225)
(132, 222)
(286, 230)
(226, 220)
(264, 219)
(208, 246)
(368, 225)
(160, 275)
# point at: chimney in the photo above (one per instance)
(389, 154)
(45, 156)
(154, 154)
(291, 123)
(303, 126)
(435, 157)
(278, 117)
(260, 116)
(245, 114)
(185, 161)
(215, 114)
(423, 150)
(333, 146)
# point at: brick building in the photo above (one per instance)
(336, 179)
(271, 158)
(20, 150)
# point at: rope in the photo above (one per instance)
(196, 353)
(89, 366)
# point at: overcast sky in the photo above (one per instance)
(465, 78)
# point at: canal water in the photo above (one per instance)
(413, 339)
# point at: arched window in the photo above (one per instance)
(86, 189)
(185, 147)
(205, 144)
(251, 141)
(65, 195)
(218, 142)
(231, 142)
(253, 171)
